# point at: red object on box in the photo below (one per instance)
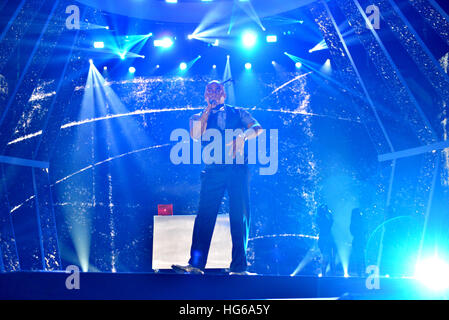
(165, 209)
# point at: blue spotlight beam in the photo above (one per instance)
(320, 46)
(362, 83)
(105, 101)
(229, 86)
(442, 90)
(106, 96)
(24, 162)
(10, 22)
(58, 88)
(49, 248)
(413, 151)
(373, 108)
(232, 20)
(428, 206)
(308, 65)
(48, 239)
(185, 66)
(38, 218)
(390, 191)
(53, 126)
(211, 17)
(379, 256)
(8, 254)
(398, 74)
(80, 231)
(248, 8)
(17, 28)
(434, 15)
(24, 72)
(427, 69)
(133, 41)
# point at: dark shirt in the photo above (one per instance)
(224, 117)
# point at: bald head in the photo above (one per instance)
(215, 93)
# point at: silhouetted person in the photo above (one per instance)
(326, 241)
(358, 232)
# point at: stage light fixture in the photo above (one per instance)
(273, 63)
(171, 1)
(433, 273)
(326, 68)
(158, 66)
(214, 66)
(132, 70)
(122, 55)
(190, 36)
(105, 68)
(298, 65)
(272, 38)
(249, 39)
(91, 61)
(163, 43)
(183, 66)
(248, 66)
(216, 43)
(320, 46)
(98, 44)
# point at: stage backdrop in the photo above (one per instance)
(111, 167)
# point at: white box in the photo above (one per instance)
(172, 238)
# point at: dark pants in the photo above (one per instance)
(214, 181)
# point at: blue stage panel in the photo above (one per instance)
(137, 286)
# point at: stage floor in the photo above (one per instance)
(166, 286)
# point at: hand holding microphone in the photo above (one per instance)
(211, 103)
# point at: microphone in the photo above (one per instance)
(229, 80)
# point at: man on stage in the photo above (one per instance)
(218, 177)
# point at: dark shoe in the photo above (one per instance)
(242, 273)
(188, 269)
